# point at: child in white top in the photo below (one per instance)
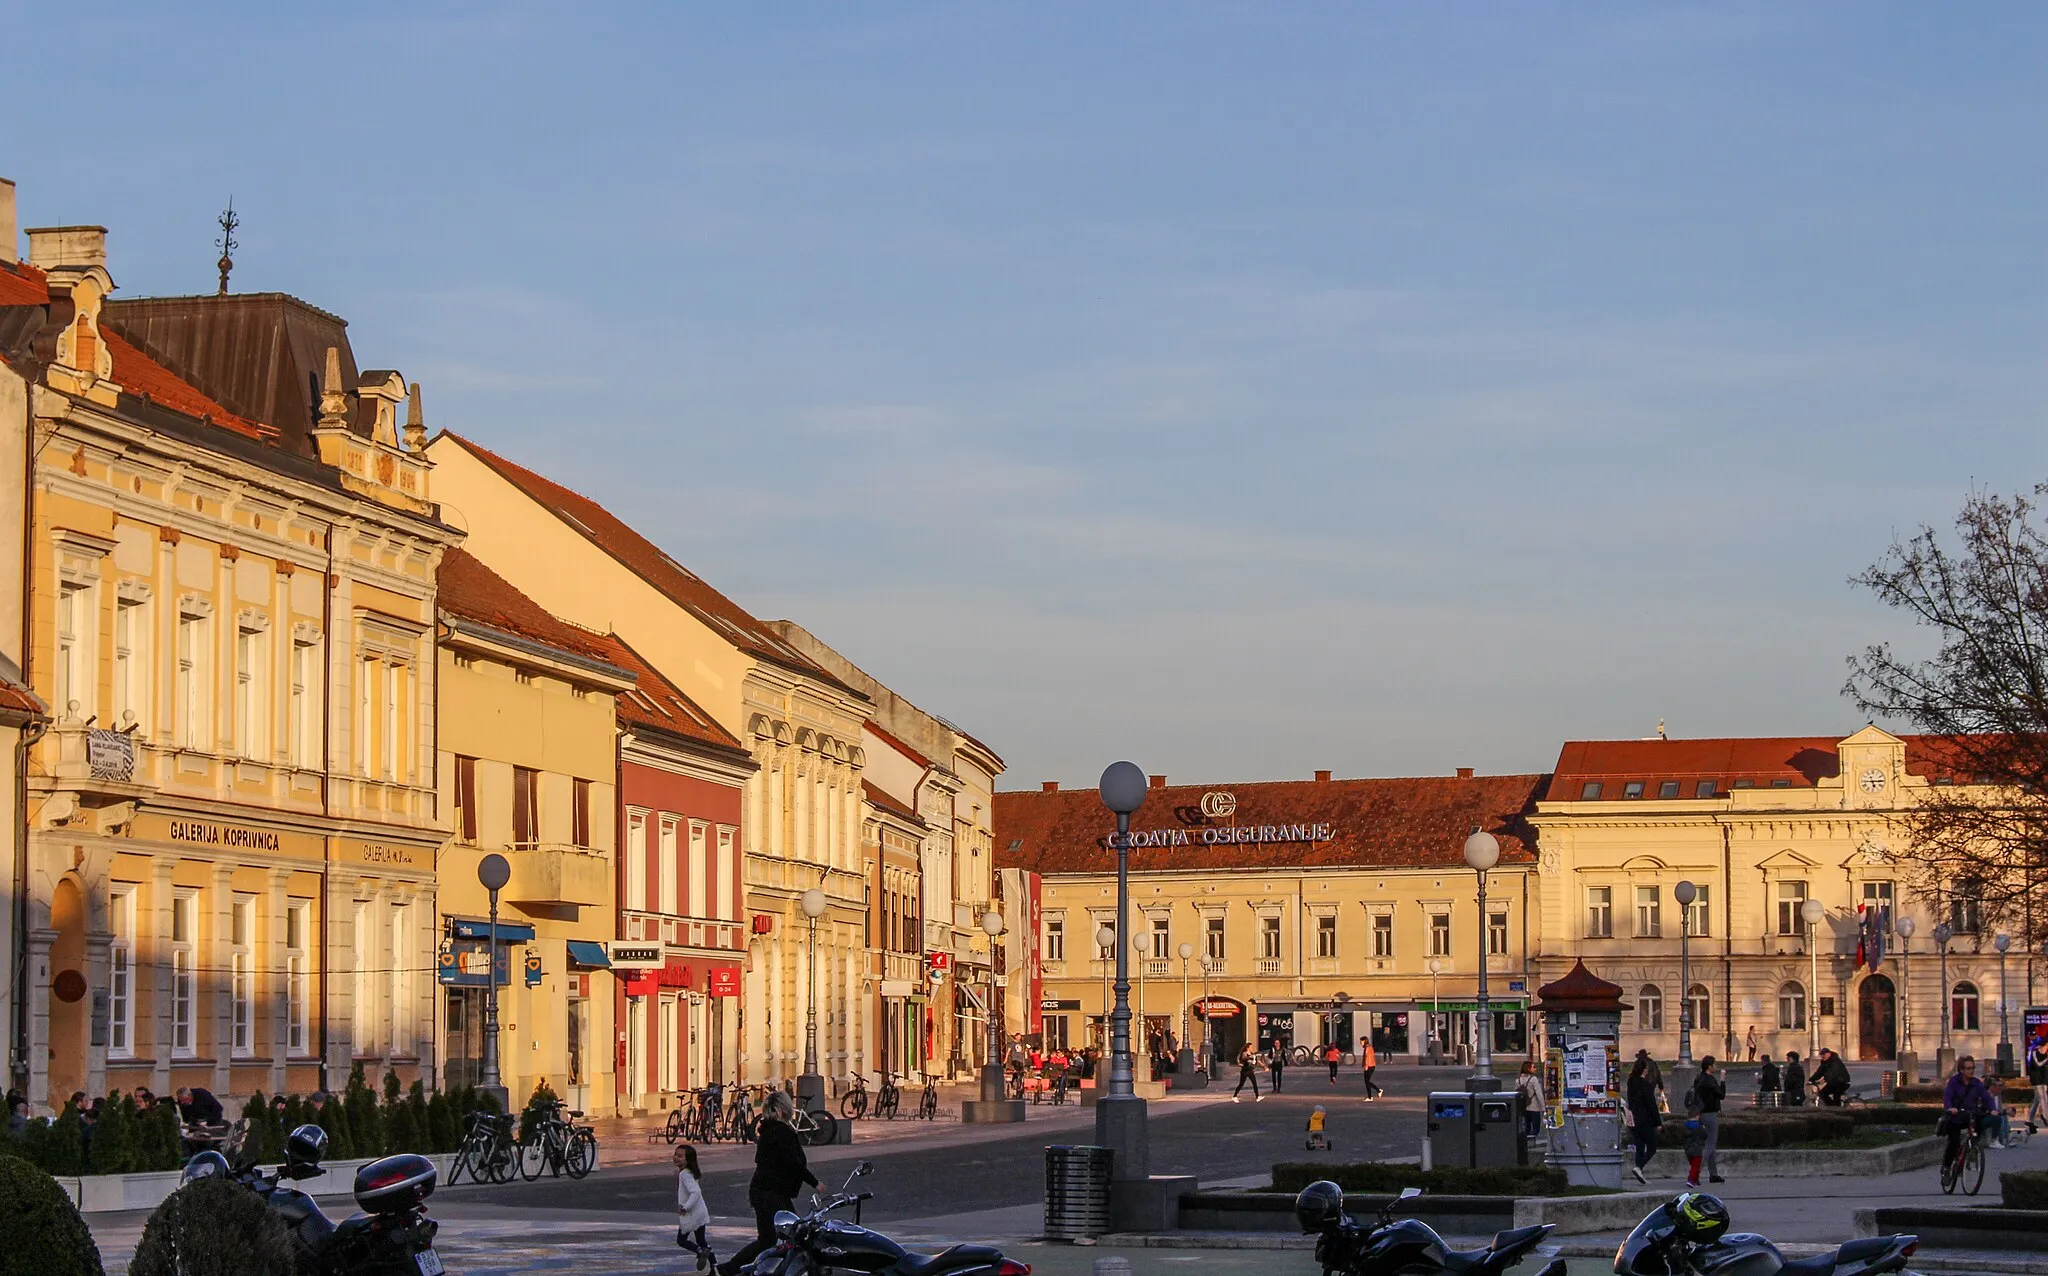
(693, 1216)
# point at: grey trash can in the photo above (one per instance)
(1076, 1191)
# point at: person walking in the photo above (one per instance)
(693, 1216)
(1333, 1056)
(780, 1172)
(2037, 1077)
(1709, 1090)
(1749, 1043)
(1277, 1061)
(1530, 1086)
(1247, 1070)
(1794, 1090)
(1369, 1060)
(1643, 1116)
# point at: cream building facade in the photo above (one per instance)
(230, 864)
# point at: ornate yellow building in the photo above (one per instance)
(230, 869)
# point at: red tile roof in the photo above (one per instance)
(658, 704)
(1418, 822)
(652, 564)
(878, 798)
(1797, 762)
(469, 590)
(898, 745)
(15, 698)
(23, 285)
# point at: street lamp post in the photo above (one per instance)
(1906, 926)
(1120, 1114)
(2002, 942)
(493, 871)
(1943, 932)
(1187, 951)
(810, 1087)
(1685, 893)
(1208, 1033)
(1436, 966)
(992, 1069)
(1813, 912)
(1105, 939)
(1141, 948)
(1482, 852)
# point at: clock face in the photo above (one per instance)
(1873, 781)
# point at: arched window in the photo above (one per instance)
(1699, 1004)
(1791, 1006)
(1650, 1008)
(1962, 1008)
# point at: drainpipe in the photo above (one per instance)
(326, 785)
(1728, 938)
(31, 372)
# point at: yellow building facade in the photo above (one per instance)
(230, 864)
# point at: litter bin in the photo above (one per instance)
(1076, 1191)
(1451, 1115)
(1497, 1129)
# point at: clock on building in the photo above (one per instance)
(1873, 781)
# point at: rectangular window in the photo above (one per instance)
(131, 663)
(1439, 934)
(465, 799)
(1497, 934)
(365, 1015)
(302, 710)
(242, 973)
(1877, 904)
(525, 805)
(1667, 789)
(694, 902)
(636, 861)
(1056, 941)
(1212, 938)
(397, 687)
(73, 666)
(121, 974)
(1162, 938)
(297, 976)
(1599, 912)
(1790, 896)
(1383, 935)
(1269, 938)
(1632, 789)
(726, 908)
(251, 655)
(579, 831)
(1649, 912)
(401, 982)
(1705, 789)
(192, 691)
(1589, 791)
(666, 865)
(1699, 914)
(184, 991)
(1326, 936)
(1966, 909)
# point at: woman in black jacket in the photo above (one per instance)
(780, 1172)
(1643, 1114)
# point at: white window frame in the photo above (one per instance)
(1699, 1008)
(1272, 937)
(1649, 912)
(1792, 1006)
(301, 714)
(242, 976)
(1497, 934)
(1326, 936)
(1698, 916)
(131, 659)
(252, 686)
(184, 975)
(193, 696)
(121, 974)
(1215, 939)
(399, 920)
(1055, 942)
(298, 915)
(73, 666)
(636, 860)
(1599, 912)
(1383, 935)
(667, 864)
(1650, 1008)
(365, 989)
(1161, 931)
(1790, 893)
(1440, 935)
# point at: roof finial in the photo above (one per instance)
(333, 403)
(227, 245)
(415, 425)
(1660, 730)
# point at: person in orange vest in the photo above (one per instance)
(1369, 1059)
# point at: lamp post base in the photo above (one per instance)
(1120, 1127)
(1485, 1083)
(499, 1095)
(991, 1083)
(810, 1092)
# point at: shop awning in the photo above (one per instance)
(586, 952)
(508, 932)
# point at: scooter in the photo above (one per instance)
(1405, 1247)
(1659, 1246)
(817, 1242)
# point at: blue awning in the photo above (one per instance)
(585, 952)
(508, 932)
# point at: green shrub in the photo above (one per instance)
(263, 1141)
(44, 1234)
(112, 1149)
(340, 1143)
(365, 1123)
(1905, 1114)
(540, 1106)
(2024, 1189)
(214, 1227)
(1374, 1176)
(162, 1142)
(443, 1134)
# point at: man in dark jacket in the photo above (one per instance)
(1708, 1092)
(1795, 1080)
(780, 1172)
(1832, 1077)
(198, 1106)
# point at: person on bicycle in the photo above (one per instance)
(1020, 1059)
(780, 1172)
(1965, 1104)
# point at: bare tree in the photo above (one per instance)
(1983, 695)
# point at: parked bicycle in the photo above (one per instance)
(853, 1105)
(487, 1154)
(814, 1128)
(928, 1104)
(556, 1144)
(889, 1100)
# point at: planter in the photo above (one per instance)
(1789, 1163)
(100, 1193)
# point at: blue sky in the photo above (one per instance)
(1243, 389)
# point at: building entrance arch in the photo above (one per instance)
(1877, 1034)
(69, 998)
(1223, 1022)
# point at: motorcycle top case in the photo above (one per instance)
(395, 1184)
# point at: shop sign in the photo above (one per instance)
(230, 836)
(1234, 835)
(1218, 1008)
(939, 960)
(533, 971)
(637, 957)
(764, 923)
(1058, 1003)
(386, 854)
(467, 963)
(725, 981)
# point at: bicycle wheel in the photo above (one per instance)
(853, 1105)
(461, 1163)
(885, 1107)
(1973, 1169)
(533, 1157)
(674, 1129)
(1948, 1176)
(928, 1106)
(581, 1158)
(824, 1130)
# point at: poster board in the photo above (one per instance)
(2034, 1061)
(1590, 1066)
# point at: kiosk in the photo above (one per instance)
(1582, 1076)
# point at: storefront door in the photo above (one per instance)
(1389, 1030)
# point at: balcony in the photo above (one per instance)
(550, 874)
(1269, 965)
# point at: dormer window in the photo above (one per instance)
(1705, 789)
(1668, 789)
(1591, 791)
(1632, 789)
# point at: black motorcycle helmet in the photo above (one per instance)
(305, 1147)
(1702, 1218)
(204, 1165)
(1319, 1205)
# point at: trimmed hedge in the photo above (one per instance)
(1372, 1176)
(2024, 1189)
(214, 1227)
(43, 1233)
(1774, 1131)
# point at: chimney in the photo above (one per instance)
(66, 247)
(10, 243)
(1322, 777)
(1464, 773)
(1048, 786)
(1158, 781)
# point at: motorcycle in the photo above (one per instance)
(1404, 1247)
(1688, 1236)
(816, 1242)
(391, 1237)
